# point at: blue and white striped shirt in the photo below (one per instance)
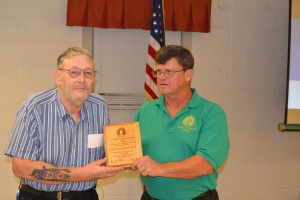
(44, 131)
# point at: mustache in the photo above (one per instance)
(80, 86)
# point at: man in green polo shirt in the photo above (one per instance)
(184, 136)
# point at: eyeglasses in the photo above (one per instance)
(167, 72)
(75, 73)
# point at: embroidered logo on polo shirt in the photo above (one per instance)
(188, 123)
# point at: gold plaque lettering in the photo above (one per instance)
(122, 144)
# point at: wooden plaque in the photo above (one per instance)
(122, 144)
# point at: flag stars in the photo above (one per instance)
(157, 33)
(155, 23)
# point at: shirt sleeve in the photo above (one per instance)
(23, 140)
(213, 143)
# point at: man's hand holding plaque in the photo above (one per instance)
(122, 144)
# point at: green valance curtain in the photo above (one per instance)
(180, 15)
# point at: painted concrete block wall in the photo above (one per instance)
(241, 64)
(32, 35)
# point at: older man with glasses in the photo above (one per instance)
(56, 142)
(184, 136)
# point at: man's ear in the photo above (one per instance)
(189, 74)
(57, 77)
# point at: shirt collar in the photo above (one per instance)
(194, 101)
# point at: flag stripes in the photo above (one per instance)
(157, 40)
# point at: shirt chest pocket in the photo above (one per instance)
(95, 153)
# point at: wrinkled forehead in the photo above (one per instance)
(77, 61)
(170, 64)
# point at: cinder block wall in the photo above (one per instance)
(32, 35)
(241, 65)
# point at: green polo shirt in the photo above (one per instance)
(199, 128)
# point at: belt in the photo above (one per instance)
(205, 195)
(202, 196)
(55, 195)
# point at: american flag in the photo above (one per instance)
(157, 40)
